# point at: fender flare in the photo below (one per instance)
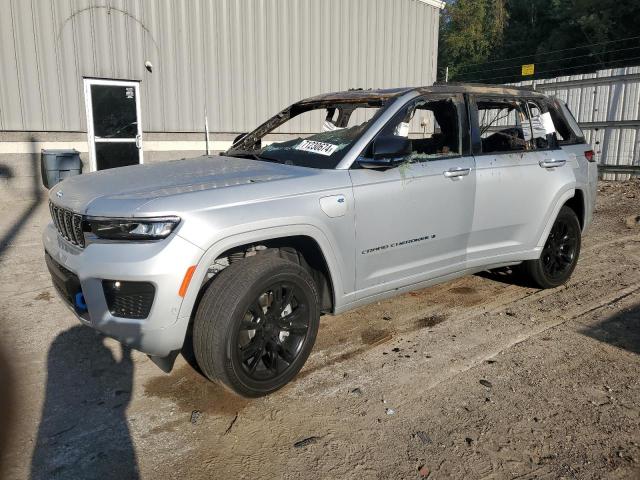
(260, 235)
(561, 198)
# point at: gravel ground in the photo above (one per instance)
(475, 378)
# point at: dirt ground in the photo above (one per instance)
(475, 378)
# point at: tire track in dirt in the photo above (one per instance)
(503, 297)
(440, 298)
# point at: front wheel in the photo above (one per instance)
(256, 324)
(560, 253)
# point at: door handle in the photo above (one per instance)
(552, 163)
(139, 141)
(456, 172)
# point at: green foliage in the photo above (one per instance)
(558, 36)
(470, 30)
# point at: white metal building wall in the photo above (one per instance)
(606, 104)
(241, 59)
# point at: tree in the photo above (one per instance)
(470, 30)
(488, 41)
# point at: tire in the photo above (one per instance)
(256, 324)
(560, 253)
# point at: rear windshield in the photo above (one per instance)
(310, 134)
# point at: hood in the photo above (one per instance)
(131, 187)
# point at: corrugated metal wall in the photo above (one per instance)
(606, 104)
(241, 59)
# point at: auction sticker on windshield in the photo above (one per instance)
(320, 148)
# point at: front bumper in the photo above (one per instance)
(162, 263)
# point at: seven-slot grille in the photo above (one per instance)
(68, 224)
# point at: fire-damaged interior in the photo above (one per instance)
(332, 126)
(431, 123)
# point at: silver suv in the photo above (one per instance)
(385, 191)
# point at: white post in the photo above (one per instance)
(446, 74)
(206, 131)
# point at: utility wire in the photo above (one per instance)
(558, 70)
(516, 78)
(553, 51)
(548, 61)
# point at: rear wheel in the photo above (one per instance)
(560, 253)
(256, 324)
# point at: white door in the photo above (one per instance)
(113, 123)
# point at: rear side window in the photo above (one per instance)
(567, 129)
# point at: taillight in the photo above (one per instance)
(590, 156)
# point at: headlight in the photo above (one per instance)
(132, 228)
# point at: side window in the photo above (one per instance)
(567, 129)
(432, 124)
(505, 125)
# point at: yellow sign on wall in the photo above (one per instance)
(528, 69)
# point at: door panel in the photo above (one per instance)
(117, 154)
(513, 195)
(412, 222)
(516, 184)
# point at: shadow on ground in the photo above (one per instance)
(35, 198)
(83, 432)
(622, 330)
(508, 276)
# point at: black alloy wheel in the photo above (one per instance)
(560, 250)
(256, 324)
(560, 253)
(271, 334)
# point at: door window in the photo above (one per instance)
(432, 124)
(114, 111)
(542, 139)
(504, 125)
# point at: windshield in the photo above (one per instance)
(310, 134)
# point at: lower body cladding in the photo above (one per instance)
(129, 292)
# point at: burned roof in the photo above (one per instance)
(357, 95)
(360, 95)
(454, 87)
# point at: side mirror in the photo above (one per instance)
(387, 152)
(239, 137)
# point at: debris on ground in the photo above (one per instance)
(196, 415)
(233, 421)
(632, 221)
(306, 442)
(423, 437)
(486, 383)
(424, 471)
(390, 411)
